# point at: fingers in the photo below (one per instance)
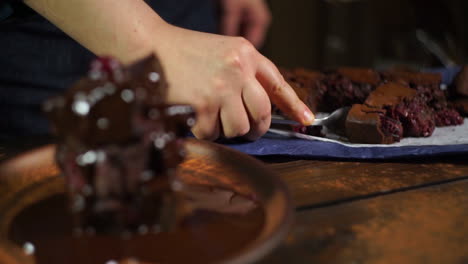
(281, 94)
(207, 125)
(258, 20)
(247, 116)
(255, 33)
(258, 106)
(231, 18)
(234, 119)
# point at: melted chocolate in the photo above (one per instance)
(219, 225)
(119, 145)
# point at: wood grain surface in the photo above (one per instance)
(411, 211)
(426, 225)
(314, 183)
(404, 211)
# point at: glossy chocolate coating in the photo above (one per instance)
(222, 224)
(119, 145)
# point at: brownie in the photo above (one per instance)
(370, 125)
(119, 143)
(413, 78)
(347, 86)
(416, 117)
(390, 112)
(428, 86)
(389, 94)
(461, 105)
(307, 84)
(400, 103)
(361, 75)
(461, 82)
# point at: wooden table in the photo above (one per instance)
(376, 212)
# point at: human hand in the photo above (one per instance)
(226, 79)
(229, 83)
(249, 18)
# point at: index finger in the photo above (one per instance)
(281, 93)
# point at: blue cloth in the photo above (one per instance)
(300, 148)
(448, 74)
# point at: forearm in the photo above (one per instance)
(125, 29)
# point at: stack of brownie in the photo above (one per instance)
(386, 106)
(109, 126)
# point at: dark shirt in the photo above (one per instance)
(38, 61)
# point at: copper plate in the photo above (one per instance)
(32, 176)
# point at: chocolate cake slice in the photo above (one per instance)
(118, 146)
(371, 125)
(390, 112)
(403, 103)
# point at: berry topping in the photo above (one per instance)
(106, 67)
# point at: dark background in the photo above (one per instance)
(321, 34)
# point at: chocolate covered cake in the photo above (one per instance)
(110, 125)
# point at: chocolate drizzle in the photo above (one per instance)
(119, 146)
(221, 225)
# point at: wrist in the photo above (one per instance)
(124, 31)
